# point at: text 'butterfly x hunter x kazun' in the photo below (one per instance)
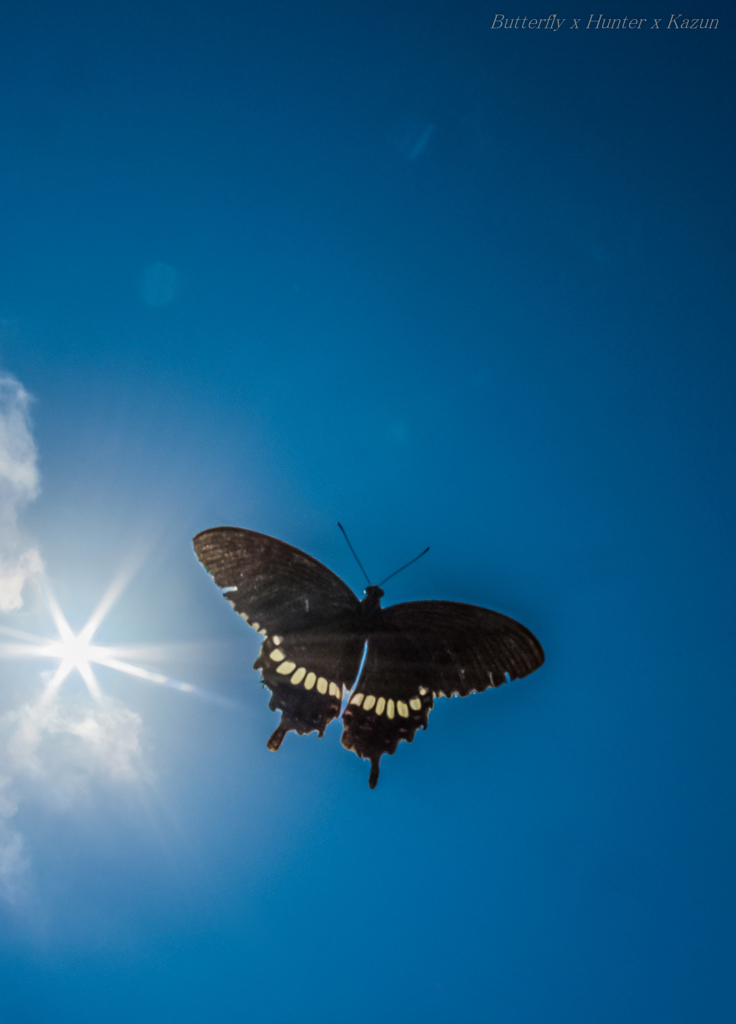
(316, 630)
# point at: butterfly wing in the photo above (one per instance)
(467, 649)
(307, 672)
(274, 586)
(308, 616)
(392, 699)
(426, 649)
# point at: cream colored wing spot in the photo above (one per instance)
(357, 699)
(310, 681)
(277, 640)
(369, 702)
(402, 708)
(276, 656)
(423, 690)
(256, 625)
(286, 668)
(389, 709)
(380, 705)
(244, 616)
(322, 684)
(415, 704)
(298, 675)
(335, 691)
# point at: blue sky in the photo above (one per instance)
(276, 265)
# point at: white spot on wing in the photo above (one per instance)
(286, 668)
(322, 684)
(276, 655)
(369, 702)
(390, 709)
(380, 705)
(357, 699)
(310, 681)
(298, 675)
(403, 708)
(415, 703)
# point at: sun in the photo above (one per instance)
(76, 652)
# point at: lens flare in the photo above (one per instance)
(76, 652)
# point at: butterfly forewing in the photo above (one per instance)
(464, 648)
(276, 587)
(306, 613)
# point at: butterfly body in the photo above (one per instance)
(315, 631)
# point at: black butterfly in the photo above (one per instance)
(315, 630)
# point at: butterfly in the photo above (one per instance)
(315, 631)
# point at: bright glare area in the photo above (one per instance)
(77, 652)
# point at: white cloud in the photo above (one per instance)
(13, 862)
(57, 753)
(19, 484)
(54, 752)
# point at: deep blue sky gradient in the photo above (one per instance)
(451, 286)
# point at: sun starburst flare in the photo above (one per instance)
(78, 652)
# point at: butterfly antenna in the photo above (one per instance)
(403, 567)
(354, 555)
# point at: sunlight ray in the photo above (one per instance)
(57, 679)
(18, 634)
(101, 658)
(109, 598)
(76, 652)
(58, 616)
(34, 650)
(85, 670)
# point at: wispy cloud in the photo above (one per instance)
(57, 753)
(54, 752)
(19, 484)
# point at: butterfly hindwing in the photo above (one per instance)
(391, 701)
(426, 649)
(307, 673)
